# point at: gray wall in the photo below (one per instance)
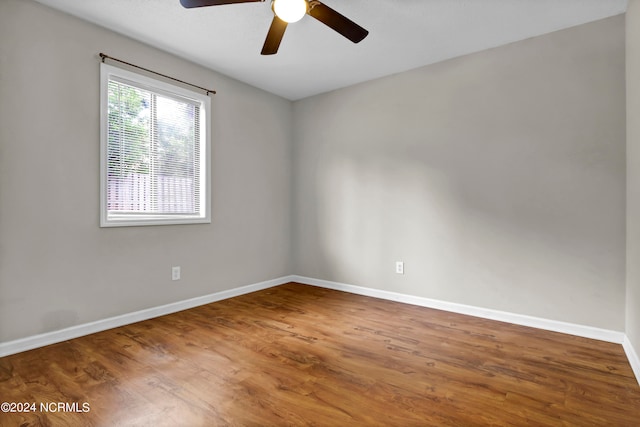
(57, 267)
(498, 178)
(633, 173)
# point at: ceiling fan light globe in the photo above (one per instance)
(290, 10)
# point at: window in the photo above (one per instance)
(154, 151)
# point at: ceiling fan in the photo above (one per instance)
(288, 11)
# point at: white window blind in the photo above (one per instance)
(154, 151)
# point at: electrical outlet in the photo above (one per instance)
(399, 267)
(175, 273)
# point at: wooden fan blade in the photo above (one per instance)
(337, 21)
(274, 36)
(200, 3)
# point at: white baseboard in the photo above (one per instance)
(486, 313)
(41, 340)
(632, 355)
(35, 341)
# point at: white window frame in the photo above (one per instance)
(148, 83)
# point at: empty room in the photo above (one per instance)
(329, 213)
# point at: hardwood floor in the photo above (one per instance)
(301, 355)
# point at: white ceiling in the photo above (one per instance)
(403, 34)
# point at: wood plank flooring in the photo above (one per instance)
(301, 355)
